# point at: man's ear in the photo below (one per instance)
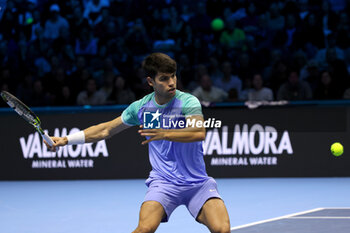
(150, 81)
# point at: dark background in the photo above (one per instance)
(312, 130)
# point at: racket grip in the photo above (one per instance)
(47, 139)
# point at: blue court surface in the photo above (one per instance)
(288, 205)
(320, 220)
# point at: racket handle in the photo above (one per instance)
(47, 139)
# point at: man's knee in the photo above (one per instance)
(143, 228)
(221, 228)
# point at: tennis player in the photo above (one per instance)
(178, 175)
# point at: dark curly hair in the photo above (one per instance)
(158, 63)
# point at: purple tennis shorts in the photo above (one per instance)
(170, 196)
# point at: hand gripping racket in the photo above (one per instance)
(26, 113)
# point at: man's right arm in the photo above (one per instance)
(104, 130)
(95, 133)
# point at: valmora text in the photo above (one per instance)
(256, 140)
(33, 146)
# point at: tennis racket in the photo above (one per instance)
(27, 114)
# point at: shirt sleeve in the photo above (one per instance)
(192, 106)
(129, 115)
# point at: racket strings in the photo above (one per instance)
(22, 111)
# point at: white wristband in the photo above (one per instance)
(76, 138)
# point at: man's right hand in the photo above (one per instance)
(58, 141)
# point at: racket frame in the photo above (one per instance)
(33, 120)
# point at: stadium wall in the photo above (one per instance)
(290, 140)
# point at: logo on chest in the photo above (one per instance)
(165, 120)
(152, 120)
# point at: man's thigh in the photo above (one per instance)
(151, 214)
(199, 195)
(166, 194)
(214, 215)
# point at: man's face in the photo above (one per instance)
(164, 84)
(293, 78)
(54, 15)
(91, 86)
(326, 78)
(257, 81)
(206, 82)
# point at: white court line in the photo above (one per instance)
(275, 219)
(293, 216)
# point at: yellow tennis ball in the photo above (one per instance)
(337, 149)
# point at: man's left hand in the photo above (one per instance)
(154, 134)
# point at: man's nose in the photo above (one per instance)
(171, 82)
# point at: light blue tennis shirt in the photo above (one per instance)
(177, 162)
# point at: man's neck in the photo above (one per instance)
(160, 100)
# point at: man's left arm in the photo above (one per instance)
(192, 133)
